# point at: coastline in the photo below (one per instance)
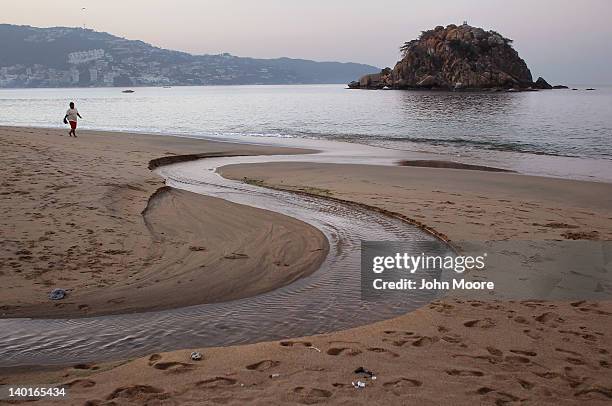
(454, 350)
(540, 135)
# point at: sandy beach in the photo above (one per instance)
(85, 213)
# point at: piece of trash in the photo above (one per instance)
(57, 294)
(358, 385)
(315, 348)
(367, 372)
(196, 356)
(274, 375)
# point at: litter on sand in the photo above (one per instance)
(274, 375)
(57, 294)
(314, 348)
(367, 372)
(196, 356)
(359, 385)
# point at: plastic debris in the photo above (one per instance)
(196, 356)
(314, 348)
(57, 294)
(358, 385)
(274, 375)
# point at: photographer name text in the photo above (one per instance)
(432, 284)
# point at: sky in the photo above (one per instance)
(563, 41)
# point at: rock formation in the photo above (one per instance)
(455, 57)
(542, 84)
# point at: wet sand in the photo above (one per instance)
(454, 351)
(84, 215)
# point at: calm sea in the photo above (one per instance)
(494, 128)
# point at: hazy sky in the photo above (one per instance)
(564, 41)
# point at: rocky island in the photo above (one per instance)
(456, 58)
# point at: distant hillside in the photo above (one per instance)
(61, 56)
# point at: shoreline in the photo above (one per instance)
(526, 163)
(459, 350)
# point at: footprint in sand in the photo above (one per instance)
(295, 343)
(154, 358)
(547, 374)
(515, 359)
(140, 393)
(263, 365)
(575, 361)
(532, 334)
(402, 333)
(583, 306)
(484, 390)
(585, 336)
(80, 383)
(311, 395)
(549, 317)
(397, 343)
(216, 382)
(383, 351)
(481, 323)
(398, 338)
(525, 384)
(464, 372)
(452, 338)
(599, 391)
(494, 351)
(424, 341)
(174, 367)
(521, 320)
(442, 307)
(351, 352)
(402, 385)
(236, 255)
(499, 398)
(526, 353)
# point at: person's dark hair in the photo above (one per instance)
(71, 105)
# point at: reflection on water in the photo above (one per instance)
(537, 123)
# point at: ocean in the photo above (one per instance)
(565, 133)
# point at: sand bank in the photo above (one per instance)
(463, 204)
(83, 215)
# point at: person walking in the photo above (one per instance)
(71, 116)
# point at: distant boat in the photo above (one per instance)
(128, 91)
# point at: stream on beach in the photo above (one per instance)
(328, 300)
